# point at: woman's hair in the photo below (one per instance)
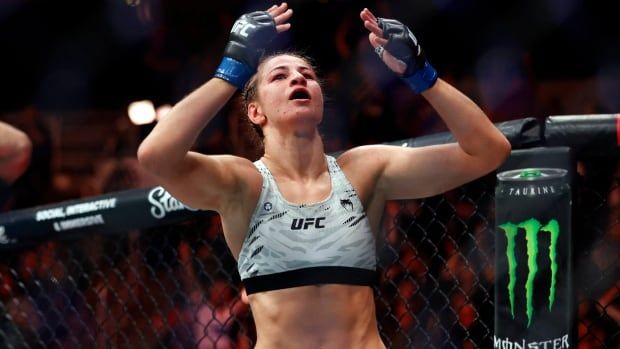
(250, 91)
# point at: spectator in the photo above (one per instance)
(15, 151)
(216, 317)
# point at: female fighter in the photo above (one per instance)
(299, 222)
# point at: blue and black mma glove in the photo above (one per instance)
(248, 38)
(403, 45)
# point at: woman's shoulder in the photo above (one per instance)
(364, 155)
(362, 163)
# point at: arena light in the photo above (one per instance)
(141, 112)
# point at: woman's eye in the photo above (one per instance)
(279, 77)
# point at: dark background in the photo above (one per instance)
(68, 54)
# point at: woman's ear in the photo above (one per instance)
(255, 114)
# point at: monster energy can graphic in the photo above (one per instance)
(533, 307)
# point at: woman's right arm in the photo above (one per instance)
(197, 180)
(208, 181)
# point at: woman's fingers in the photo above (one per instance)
(373, 27)
(277, 10)
(376, 40)
(367, 15)
(371, 15)
(283, 27)
(281, 15)
(370, 23)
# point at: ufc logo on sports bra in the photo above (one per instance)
(241, 27)
(301, 223)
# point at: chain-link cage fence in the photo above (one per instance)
(176, 286)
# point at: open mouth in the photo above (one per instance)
(299, 94)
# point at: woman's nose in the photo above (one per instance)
(298, 78)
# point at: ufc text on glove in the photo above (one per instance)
(249, 36)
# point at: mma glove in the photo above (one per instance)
(403, 45)
(247, 41)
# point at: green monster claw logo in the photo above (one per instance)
(532, 227)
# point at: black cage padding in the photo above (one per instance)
(521, 133)
(591, 135)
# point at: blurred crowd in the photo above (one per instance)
(176, 286)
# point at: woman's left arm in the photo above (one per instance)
(418, 172)
(478, 138)
(431, 170)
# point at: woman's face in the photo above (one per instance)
(288, 93)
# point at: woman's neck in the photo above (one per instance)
(295, 157)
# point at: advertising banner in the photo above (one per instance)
(110, 213)
(533, 306)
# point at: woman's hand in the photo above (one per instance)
(400, 51)
(249, 37)
(378, 41)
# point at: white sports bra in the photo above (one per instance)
(290, 245)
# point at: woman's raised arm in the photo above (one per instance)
(206, 181)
